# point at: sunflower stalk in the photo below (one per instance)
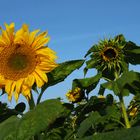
(127, 123)
(40, 96)
(125, 116)
(31, 102)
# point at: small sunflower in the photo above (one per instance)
(75, 95)
(24, 60)
(133, 111)
(108, 56)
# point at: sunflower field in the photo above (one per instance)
(96, 109)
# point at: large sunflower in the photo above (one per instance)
(24, 60)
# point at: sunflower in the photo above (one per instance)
(108, 57)
(133, 112)
(24, 60)
(75, 95)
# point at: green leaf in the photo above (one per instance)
(92, 49)
(124, 84)
(136, 51)
(92, 63)
(60, 73)
(113, 112)
(123, 134)
(120, 38)
(95, 120)
(8, 128)
(35, 121)
(87, 123)
(56, 134)
(132, 53)
(87, 84)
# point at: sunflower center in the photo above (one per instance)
(17, 62)
(109, 54)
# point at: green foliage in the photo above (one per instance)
(123, 134)
(132, 53)
(95, 117)
(128, 82)
(33, 122)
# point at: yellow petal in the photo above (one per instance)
(18, 86)
(25, 28)
(29, 80)
(32, 36)
(2, 42)
(16, 95)
(9, 88)
(40, 40)
(47, 66)
(26, 91)
(5, 37)
(47, 52)
(9, 32)
(22, 35)
(38, 79)
(42, 75)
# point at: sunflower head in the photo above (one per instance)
(75, 95)
(108, 57)
(25, 60)
(133, 112)
(134, 106)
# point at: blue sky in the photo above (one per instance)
(74, 26)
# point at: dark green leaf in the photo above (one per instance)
(36, 120)
(87, 123)
(120, 38)
(87, 84)
(131, 51)
(8, 128)
(92, 63)
(136, 51)
(62, 71)
(123, 134)
(92, 49)
(124, 84)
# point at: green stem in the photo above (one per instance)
(31, 102)
(118, 122)
(125, 116)
(40, 96)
